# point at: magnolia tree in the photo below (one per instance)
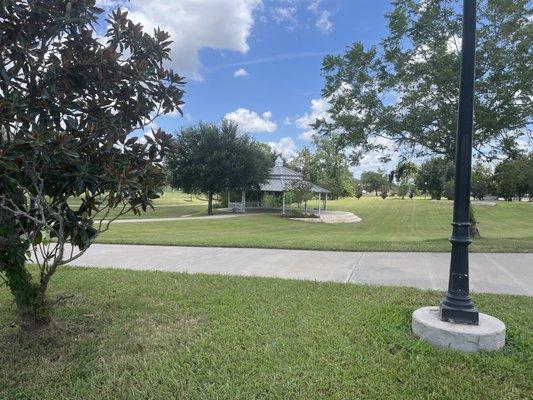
(68, 103)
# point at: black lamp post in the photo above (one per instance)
(457, 306)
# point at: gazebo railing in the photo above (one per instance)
(241, 207)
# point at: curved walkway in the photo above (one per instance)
(490, 272)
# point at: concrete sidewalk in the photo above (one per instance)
(490, 272)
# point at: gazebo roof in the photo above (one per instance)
(282, 177)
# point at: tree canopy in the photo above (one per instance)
(327, 166)
(68, 104)
(404, 94)
(514, 178)
(211, 159)
(373, 181)
(433, 175)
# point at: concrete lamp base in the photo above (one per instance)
(489, 335)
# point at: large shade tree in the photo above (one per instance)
(404, 94)
(373, 181)
(514, 178)
(68, 104)
(433, 176)
(211, 159)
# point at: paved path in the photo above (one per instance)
(491, 273)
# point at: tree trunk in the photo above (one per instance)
(473, 231)
(30, 299)
(209, 203)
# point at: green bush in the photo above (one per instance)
(299, 214)
(270, 200)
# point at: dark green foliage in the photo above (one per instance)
(299, 214)
(481, 179)
(358, 191)
(327, 167)
(67, 106)
(514, 178)
(372, 181)
(406, 91)
(433, 175)
(301, 192)
(403, 189)
(449, 189)
(404, 174)
(213, 159)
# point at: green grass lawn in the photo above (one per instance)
(387, 225)
(173, 197)
(156, 335)
(167, 211)
(172, 203)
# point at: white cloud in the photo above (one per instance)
(299, 13)
(285, 147)
(250, 121)
(525, 143)
(285, 14)
(323, 23)
(240, 72)
(193, 25)
(372, 160)
(287, 121)
(454, 43)
(319, 110)
(313, 6)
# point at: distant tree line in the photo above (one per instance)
(510, 179)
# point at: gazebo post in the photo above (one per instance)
(243, 201)
(283, 213)
(228, 198)
(319, 199)
(326, 204)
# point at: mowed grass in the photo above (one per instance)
(387, 225)
(172, 204)
(166, 211)
(156, 335)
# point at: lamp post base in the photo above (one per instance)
(458, 316)
(488, 335)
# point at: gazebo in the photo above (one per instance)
(280, 181)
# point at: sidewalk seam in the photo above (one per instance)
(352, 272)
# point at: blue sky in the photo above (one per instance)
(258, 62)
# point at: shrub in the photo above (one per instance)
(299, 214)
(358, 191)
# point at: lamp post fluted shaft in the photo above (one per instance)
(457, 306)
